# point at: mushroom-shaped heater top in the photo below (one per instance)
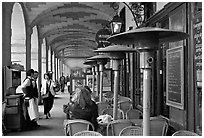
(143, 37)
(100, 58)
(89, 62)
(116, 51)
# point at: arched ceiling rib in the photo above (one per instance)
(85, 44)
(70, 26)
(69, 36)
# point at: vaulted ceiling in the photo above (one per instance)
(69, 26)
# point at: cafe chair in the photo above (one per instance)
(158, 127)
(184, 133)
(102, 106)
(131, 131)
(87, 133)
(73, 126)
(133, 114)
(114, 127)
(125, 106)
(109, 111)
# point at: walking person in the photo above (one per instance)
(48, 94)
(31, 113)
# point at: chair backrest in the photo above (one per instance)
(123, 98)
(109, 111)
(125, 106)
(115, 126)
(76, 125)
(158, 127)
(87, 133)
(184, 133)
(3, 109)
(131, 131)
(102, 106)
(133, 114)
(136, 122)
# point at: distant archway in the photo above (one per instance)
(18, 37)
(34, 49)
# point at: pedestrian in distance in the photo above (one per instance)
(62, 82)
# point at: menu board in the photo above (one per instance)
(175, 77)
(197, 36)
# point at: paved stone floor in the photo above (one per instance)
(52, 126)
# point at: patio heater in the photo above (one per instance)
(101, 61)
(92, 63)
(116, 54)
(147, 40)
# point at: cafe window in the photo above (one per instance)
(165, 109)
(197, 35)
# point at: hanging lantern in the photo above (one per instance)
(116, 24)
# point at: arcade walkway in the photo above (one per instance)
(49, 127)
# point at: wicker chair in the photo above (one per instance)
(73, 126)
(109, 111)
(102, 106)
(158, 127)
(115, 126)
(184, 133)
(131, 131)
(133, 114)
(87, 133)
(125, 106)
(3, 117)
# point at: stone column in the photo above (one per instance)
(46, 57)
(6, 33)
(6, 41)
(40, 41)
(51, 53)
(29, 32)
(57, 68)
(63, 61)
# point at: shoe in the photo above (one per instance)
(49, 115)
(46, 116)
(34, 124)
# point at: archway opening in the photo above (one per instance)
(18, 37)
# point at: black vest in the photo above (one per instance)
(35, 90)
(30, 91)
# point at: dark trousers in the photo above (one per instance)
(62, 87)
(48, 103)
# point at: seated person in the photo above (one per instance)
(82, 107)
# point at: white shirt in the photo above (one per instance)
(27, 82)
(44, 88)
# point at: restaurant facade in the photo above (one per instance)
(176, 83)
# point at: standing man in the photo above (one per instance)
(68, 83)
(62, 82)
(35, 77)
(29, 97)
